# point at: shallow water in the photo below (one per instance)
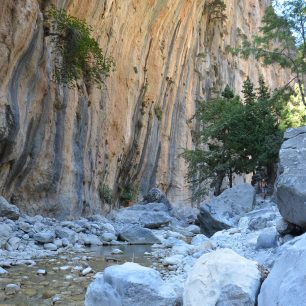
(40, 290)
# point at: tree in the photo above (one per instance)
(263, 92)
(282, 40)
(294, 112)
(220, 120)
(77, 54)
(248, 92)
(216, 9)
(236, 136)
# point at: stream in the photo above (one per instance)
(63, 283)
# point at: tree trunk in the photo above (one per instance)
(218, 182)
(230, 177)
(271, 173)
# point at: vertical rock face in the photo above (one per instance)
(58, 146)
(290, 186)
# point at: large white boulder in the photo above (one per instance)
(101, 293)
(222, 278)
(134, 284)
(224, 211)
(291, 182)
(285, 284)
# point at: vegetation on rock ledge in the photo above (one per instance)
(77, 54)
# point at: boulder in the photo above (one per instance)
(173, 260)
(138, 235)
(285, 284)
(267, 239)
(24, 226)
(8, 210)
(6, 232)
(199, 239)
(108, 237)
(224, 211)
(290, 186)
(101, 293)
(45, 236)
(186, 215)
(155, 220)
(13, 244)
(156, 196)
(65, 232)
(259, 219)
(284, 227)
(194, 229)
(138, 215)
(222, 278)
(136, 285)
(150, 207)
(89, 239)
(50, 246)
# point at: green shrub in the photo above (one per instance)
(106, 194)
(77, 54)
(129, 194)
(216, 9)
(158, 113)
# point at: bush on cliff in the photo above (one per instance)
(77, 54)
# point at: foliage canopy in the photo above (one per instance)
(282, 40)
(238, 136)
(216, 9)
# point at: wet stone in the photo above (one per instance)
(41, 272)
(11, 289)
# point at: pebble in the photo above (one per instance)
(77, 268)
(86, 271)
(64, 268)
(56, 298)
(41, 272)
(69, 277)
(117, 251)
(2, 271)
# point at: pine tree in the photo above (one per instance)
(248, 92)
(263, 92)
(227, 93)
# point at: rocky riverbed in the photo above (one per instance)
(49, 262)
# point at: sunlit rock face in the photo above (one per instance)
(59, 145)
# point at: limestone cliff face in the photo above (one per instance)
(58, 146)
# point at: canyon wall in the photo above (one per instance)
(58, 146)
